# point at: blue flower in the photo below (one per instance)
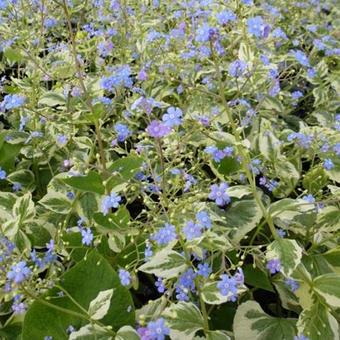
(124, 277)
(192, 230)
(296, 95)
(12, 101)
(62, 140)
(204, 270)
(19, 307)
(225, 16)
(187, 280)
(274, 266)
(165, 235)
(328, 164)
(70, 195)
(87, 236)
(216, 153)
(50, 22)
(292, 284)
(219, 194)
(3, 173)
(301, 337)
(203, 219)
(205, 33)
(236, 68)
(158, 129)
(301, 57)
(281, 233)
(157, 330)
(303, 140)
(258, 27)
(148, 251)
(120, 77)
(278, 33)
(228, 287)
(309, 198)
(122, 131)
(16, 186)
(173, 117)
(111, 201)
(160, 285)
(311, 73)
(275, 89)
(336, 149)
(19, 272)
(104, 48)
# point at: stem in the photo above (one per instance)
(83, 87)
(204, 313)
(245, 159)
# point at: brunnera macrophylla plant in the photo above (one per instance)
(169, 169)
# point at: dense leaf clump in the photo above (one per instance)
(169, 169)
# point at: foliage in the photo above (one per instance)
(169, 169)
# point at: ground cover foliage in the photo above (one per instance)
(169, 169)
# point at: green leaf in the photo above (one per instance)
(289, 253)
(184, 320)
(211, 241)
(57, 202)
(251, 323)
(318, 324)
(334, 174)
(11, 227)
(24, 177)
(243, 216)
(83, 282)
(217, 335)
(90, 182)
(269, 144)
(257, 278)
(329, 218)
(24, 208)
(116, 241)
(211, 294)
(165, 263)
(90, 332)
(100, 305)
(333, 257)
(315, 179)
(328, 286)
(87, 205)
(127, 333)
(239, 191)
(272, 104)
(13, 55)
(288, 299)
(152, 309)
(8, 154)
(113, 221)
(52, 99)
(7, 200)
(245, 53)
(287, 173)
(227, 166)
(123, 170)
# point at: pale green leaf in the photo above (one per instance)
(100, 305)
(318, 324)
(288, 252)
(165, 263)
(251, 323)
(184, 320)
